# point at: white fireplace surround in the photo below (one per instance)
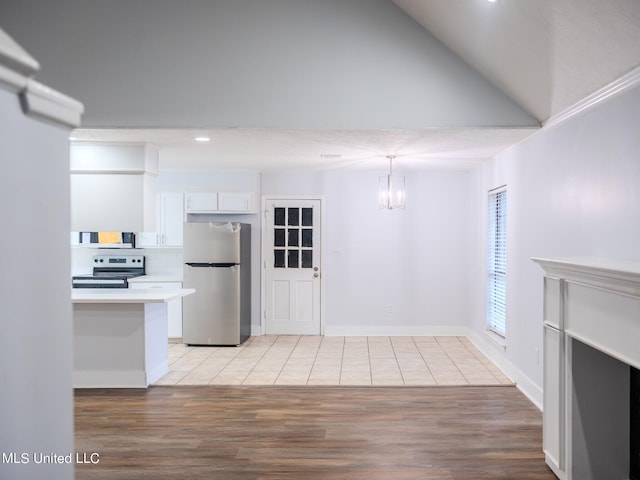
(591, 337)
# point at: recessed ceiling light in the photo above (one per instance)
(202, 139)
(331, 156)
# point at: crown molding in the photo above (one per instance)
(37, 100)
(620, 85)
(40, 101)
(16, 65)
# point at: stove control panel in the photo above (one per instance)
(118, 261)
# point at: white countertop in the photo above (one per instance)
(156, 278)
(127, 295)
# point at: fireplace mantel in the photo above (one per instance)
(591, 336)
(622, 276)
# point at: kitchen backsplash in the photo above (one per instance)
(159, 261)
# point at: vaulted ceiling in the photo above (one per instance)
(337, 84)
(545, 54)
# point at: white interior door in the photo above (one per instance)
(292, 263)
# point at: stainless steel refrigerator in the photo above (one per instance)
(217, 263)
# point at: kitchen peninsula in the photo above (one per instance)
(120, 336)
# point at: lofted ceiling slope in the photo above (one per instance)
(545, 54)
(330, 64)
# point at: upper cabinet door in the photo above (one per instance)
(201, 202)
(171, 219)
(237, 202)
(219, 202)
(110, 203)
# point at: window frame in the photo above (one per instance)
(496, 280)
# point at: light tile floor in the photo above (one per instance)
(317, 360)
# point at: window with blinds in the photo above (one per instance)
(497, 261)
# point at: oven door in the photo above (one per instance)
(90, 281)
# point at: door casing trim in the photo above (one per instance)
(264, 249)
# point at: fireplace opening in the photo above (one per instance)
(634, 441)
(599, 420)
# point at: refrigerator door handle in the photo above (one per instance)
(212, 265)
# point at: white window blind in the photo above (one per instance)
(497, 261)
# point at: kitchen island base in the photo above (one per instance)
(119, 345)
(120, 340)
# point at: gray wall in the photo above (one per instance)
(36, 398)
(253, 63)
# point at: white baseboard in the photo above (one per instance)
(256, 330)
(157, 372)
(384, 331)
(109, 379)
(527, 386)
(395, 331)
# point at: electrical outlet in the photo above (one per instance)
(389, 308)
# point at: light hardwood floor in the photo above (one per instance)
(309, 433)
(316, 360)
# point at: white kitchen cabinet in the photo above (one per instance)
(219, 202)
(235, 202)
(113, 187)
(171, 219)
(170, 211)
(174, 307)
(201, 202)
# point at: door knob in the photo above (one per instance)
(315, 269)
(316, 275)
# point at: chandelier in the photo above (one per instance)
(391, 189)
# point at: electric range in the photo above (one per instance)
(111, 271)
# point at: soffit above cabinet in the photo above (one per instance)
(114, 158)
(113, 188)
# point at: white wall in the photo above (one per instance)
(36, 397)
(414, 261)
(572, 191)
